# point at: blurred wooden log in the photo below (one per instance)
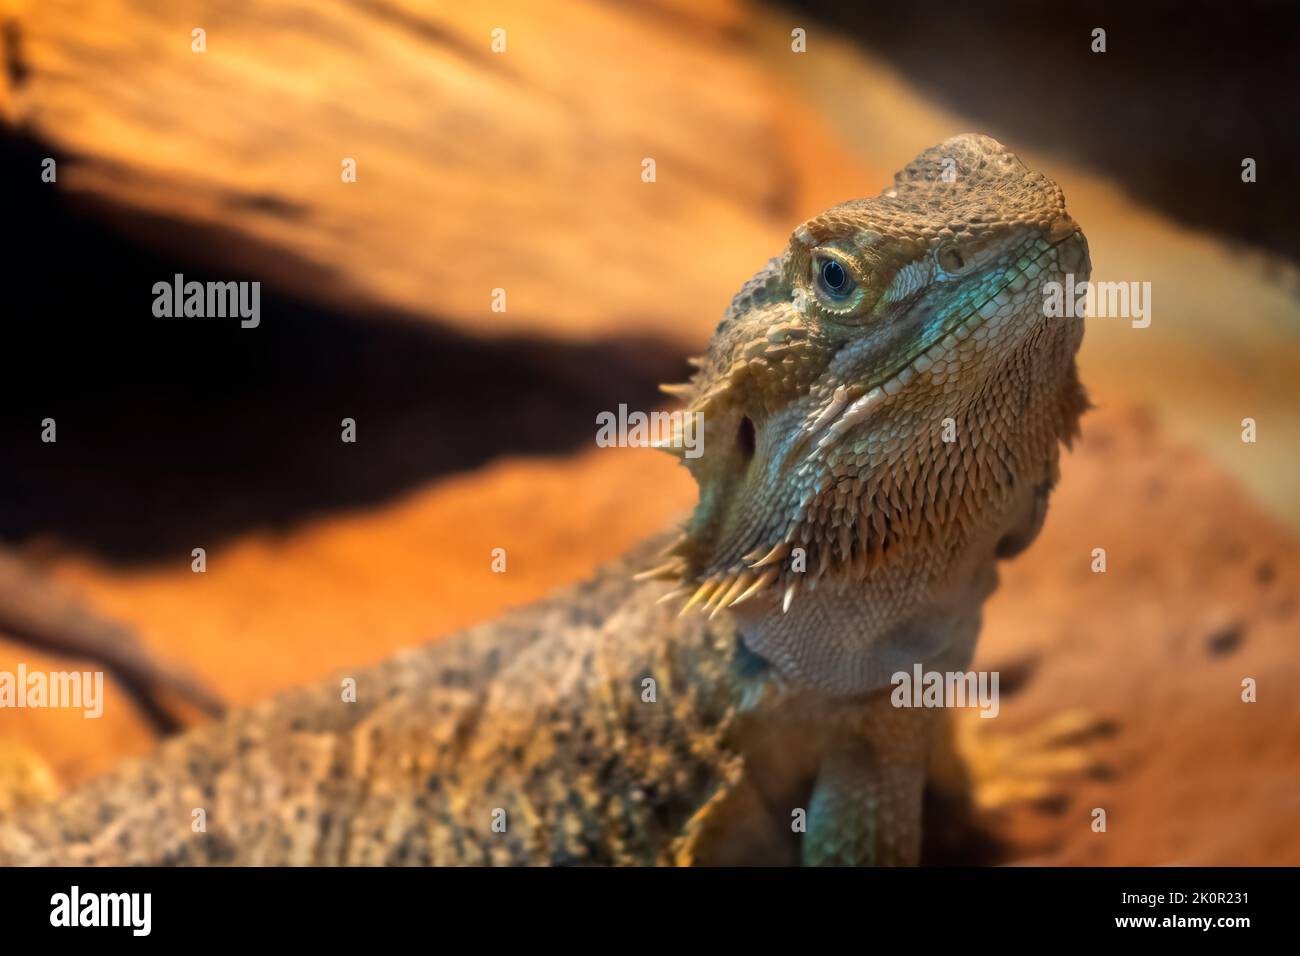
(43, 616)
(519, 170)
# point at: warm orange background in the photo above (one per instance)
(544, 173)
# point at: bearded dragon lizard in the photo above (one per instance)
(883, 406)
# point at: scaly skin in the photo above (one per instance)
(846, 538)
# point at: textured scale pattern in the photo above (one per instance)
(439, 739)
(871, 451)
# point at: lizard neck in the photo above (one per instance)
(850, 640)
(846, 636)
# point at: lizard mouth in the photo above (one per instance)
(851, 405)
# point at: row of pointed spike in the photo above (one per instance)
(726, 589)
(722, 590)
(682, 391)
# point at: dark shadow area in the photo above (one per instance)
(952, 834)
(1184, 92)
(179, 433)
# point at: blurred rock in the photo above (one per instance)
(475, 170)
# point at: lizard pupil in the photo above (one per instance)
(834, 278)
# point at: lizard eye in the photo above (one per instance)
(842, 289)
(833, 280)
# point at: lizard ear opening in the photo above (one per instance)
(951, 260)
(745, 439)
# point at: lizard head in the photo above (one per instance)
(880, 389)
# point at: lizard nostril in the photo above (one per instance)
(745, 439)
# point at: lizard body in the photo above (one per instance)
(882, 405)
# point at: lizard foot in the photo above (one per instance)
(1035, 766)
(25, 779)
